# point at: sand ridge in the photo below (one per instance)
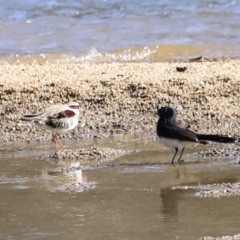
(121, 97)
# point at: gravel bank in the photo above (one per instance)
(92, 154)
(121, 97)
(215, 190)
(220, 190)
(234, 237)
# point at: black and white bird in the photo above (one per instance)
(58, 119)
(176, 137)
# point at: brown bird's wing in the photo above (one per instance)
(59, 120)
(66, 114)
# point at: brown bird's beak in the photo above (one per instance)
(81, 110)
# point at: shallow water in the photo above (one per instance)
(132, 198)
(120, 28)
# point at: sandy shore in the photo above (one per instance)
(121, 97)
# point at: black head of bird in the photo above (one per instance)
(167, 113)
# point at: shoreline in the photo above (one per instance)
(121, 97)
(165, 53)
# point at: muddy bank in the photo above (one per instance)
(234, 237)
(121, 97)
(215, 190)
(91, 155)
(220, 190)
(230, 151)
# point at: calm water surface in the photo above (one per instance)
(132, 199)
(120, 29)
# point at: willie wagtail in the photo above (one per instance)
(176, 137)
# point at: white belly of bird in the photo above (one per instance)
(65, 126)
(174, 143)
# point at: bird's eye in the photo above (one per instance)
(74, 107)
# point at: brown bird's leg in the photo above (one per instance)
(56, 140)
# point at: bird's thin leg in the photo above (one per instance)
(58, 141)
(179, 160)
(54, 139)
(176, 150)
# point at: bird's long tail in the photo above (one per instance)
(215, 138)
(33, 117)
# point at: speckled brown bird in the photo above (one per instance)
(58, 119)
